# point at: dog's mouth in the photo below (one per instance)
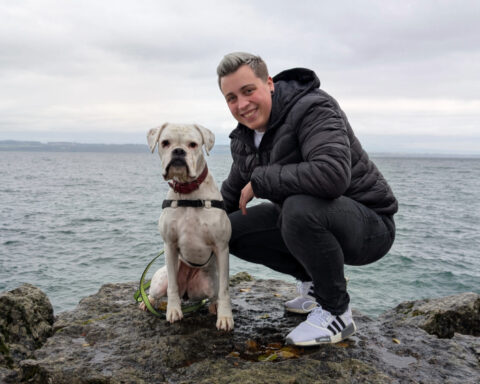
(176, 162)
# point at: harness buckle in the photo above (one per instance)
(174, 204)
(207, 203)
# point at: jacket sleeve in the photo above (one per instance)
(325, 169)
(231, 189)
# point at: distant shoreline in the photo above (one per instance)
(37, 146)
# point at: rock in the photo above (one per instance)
(26, 319)
(107, 339)
(239, 277)
(442, 317)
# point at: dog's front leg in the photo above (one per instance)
(224, 309)
(174, 309)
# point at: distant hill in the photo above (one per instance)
(36, 146)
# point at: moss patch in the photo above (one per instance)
(5, 352)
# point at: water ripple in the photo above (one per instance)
(71, 222)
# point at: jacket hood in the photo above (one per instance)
(290, 85)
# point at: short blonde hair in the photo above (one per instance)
(231, 62)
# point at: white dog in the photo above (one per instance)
(194, 226)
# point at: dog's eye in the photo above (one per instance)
(193, 145)
(165, 143)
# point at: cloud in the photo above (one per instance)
(123, 66)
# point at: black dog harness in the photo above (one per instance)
(194, 204)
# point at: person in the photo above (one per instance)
(327, 203)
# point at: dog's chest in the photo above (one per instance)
(192, 225)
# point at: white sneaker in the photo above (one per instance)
(305, 302)
(321, 327)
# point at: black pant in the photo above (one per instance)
(311, 239)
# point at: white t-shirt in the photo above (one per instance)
(258, 138)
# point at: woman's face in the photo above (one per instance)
(248, 97)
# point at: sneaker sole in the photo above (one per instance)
(347, 332)
(301, 311)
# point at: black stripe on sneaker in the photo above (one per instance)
(335, 324)
(339, 319)
(331, 329)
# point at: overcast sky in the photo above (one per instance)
(407, 73)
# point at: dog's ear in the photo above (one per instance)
(153, 135)
(207, 136)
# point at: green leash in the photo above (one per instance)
(141, 295)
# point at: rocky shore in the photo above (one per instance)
(107, 339)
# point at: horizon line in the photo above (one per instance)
(408, 153)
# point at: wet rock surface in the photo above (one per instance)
(442, 317)
(26, 319)
(107, 339)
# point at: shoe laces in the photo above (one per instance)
(320, 316)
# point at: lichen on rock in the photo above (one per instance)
(443, 316)
(26, 319)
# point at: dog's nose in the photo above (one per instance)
(178, 152)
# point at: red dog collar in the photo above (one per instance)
(191, 186)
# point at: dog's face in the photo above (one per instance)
(180, 149)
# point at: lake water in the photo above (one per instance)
(70, 222)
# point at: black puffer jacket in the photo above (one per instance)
(308, 148)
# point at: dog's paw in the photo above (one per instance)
(174, 313)
(225, 323)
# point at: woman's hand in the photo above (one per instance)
(245, 196)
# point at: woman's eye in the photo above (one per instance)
(192, 145)
(165, 143)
